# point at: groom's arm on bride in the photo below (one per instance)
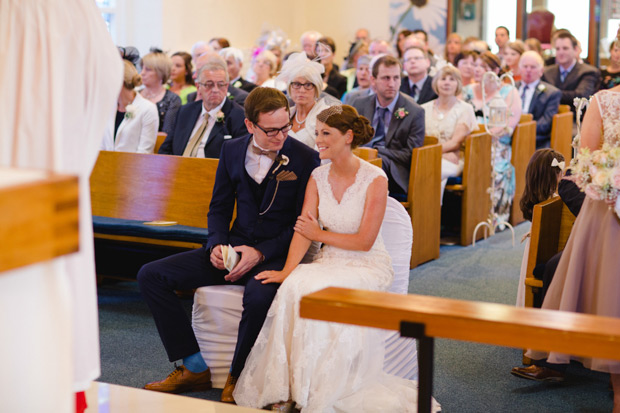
(363, 240)
(299, 243)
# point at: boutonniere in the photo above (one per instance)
(282, 161)
(237, 84)
(219, 117)
(230, 97)
(286, 176)
(130, 111)
(541, 87)
(401, 113)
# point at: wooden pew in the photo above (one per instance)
(562, 134)
(563, 109)
(523, 147)
(161, 137)
(526, 117)
(368, 154)
(149, 187)
(424, 201)
(426, 317)
(552, 222)
(475, 202)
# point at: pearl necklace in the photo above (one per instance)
(300, 122)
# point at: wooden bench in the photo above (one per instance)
(427, 317)
(161, 137)
(476, 179)
(424, 201)
(144, 188)
(562, 134)
(523, 147)
(552, 222)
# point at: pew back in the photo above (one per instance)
(562, 134)
(153, 187)
(523, 147)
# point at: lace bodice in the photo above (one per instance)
(609, 104)
(345, 217)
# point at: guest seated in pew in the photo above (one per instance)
(305, 82)
(542, 176)
(538, 97)
(397, 120)
(265, 174)
(325, 49)
(202, 127)
(264, 66)
(234, 60)
(504, 171)
(454, 42)
(234, 93)
(418, 82)
(587, 279)
(362, 74)
(181, 75)
(611, 74)
(450, 120)
(318, 366)
(465, 62)
(135, 127)
(155, 73)
(512, 56)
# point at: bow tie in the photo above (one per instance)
(270, 154)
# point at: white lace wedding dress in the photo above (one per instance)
(327, 367)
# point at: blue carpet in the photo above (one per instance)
(468, 377)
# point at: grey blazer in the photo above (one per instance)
(403, 135)
(582, 81)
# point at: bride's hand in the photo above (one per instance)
(308, 226)
(271, 277)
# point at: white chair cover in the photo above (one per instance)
(401, 357)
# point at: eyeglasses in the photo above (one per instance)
(297, 85)
(274, 132)
(210, 85)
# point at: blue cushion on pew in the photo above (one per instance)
(134, 228)
(455, 180)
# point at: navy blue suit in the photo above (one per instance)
(270, 233)
(544, 105)
(233, 125)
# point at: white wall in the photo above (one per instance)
(242, 21)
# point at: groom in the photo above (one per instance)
(266, 175)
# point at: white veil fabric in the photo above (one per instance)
(62, 75)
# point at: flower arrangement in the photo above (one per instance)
(401, 113)
(597, 173)
(130, 111)
(219, 117)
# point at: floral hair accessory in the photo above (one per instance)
(560, 165)
(130, 111)
(219, 117)
(400, 113)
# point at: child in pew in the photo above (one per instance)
(544, 172)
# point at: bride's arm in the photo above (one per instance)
(299, 244)
(363, 240)
(591, 127)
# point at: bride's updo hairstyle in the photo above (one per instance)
(344, 118)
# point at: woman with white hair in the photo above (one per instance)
(264, 66)
(304, 81)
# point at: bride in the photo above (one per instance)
(312, 365)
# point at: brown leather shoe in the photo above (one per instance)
(182, 380)
(229, 387)
(538, 373)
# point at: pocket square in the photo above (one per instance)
(226, 137)
(286, 176)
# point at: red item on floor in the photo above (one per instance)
(80, 402)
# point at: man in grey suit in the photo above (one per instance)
(574, 79)
(398, 122)
(539, 98)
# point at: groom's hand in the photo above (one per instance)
(216, 257)
(249, 258)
